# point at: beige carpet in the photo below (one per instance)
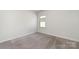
(39, 41)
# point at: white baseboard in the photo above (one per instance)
(61, 36)
(65, 37)
(40, 32)
(16, 37)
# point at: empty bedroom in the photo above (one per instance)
(39, 29)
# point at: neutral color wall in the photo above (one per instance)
(15, 24)
(62, 23)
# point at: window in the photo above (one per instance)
(43, 21)
(42, 16)
(42, 24)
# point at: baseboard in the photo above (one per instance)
(65, 37)
(16, 37)
(40, 32)
(69, 38)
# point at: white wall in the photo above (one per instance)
(14, 24)
(61, 23)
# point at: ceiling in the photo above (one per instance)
(36, 11)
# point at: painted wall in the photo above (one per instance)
(14, 24)
(62, 23)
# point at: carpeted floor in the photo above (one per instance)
(39, 41)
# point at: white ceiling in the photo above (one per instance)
(36, 11)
